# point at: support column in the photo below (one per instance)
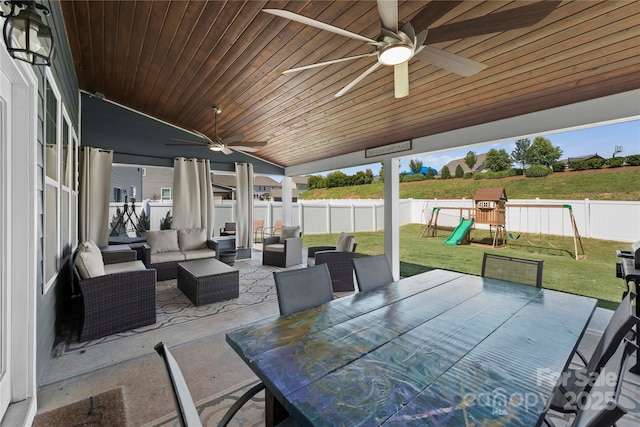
(391, 214)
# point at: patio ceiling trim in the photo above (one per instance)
(620, 107)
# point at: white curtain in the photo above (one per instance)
(244, 205)
(95, 179)
(192, 195)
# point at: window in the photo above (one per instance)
(61, 184)
(118, 194)
(165, 194)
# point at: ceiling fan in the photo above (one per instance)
(226, 145)
(397, 45)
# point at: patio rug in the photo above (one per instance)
(174, 308)
(213, 408)
(104, 409)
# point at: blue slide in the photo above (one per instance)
(459, 232)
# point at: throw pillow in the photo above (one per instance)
(288, 232)
(163, 241)
(192, 238)
(89, 260)
(345, 242)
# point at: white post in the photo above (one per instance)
(391, 214)
(287, 205)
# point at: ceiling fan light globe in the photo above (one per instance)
(395, 54)
(216, 147)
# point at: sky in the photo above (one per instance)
(601, 140)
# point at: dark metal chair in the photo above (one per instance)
(302, 288)
(372, 272)
(620, 326)
(512, 269)
(186, 408)
(600, 406)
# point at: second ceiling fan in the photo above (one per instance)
(396, 45)
(226, 145)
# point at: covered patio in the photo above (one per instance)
(134, 77)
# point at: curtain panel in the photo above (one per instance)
(244, 205)
(95, 179)
(192, 195)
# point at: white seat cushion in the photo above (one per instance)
(163, 241)
(345, 242)
(121, 267)
(167, 257)
(199, 253)
(275, 247)
(89, 260)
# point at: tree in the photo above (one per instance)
(543, 153)
(316, 181)
(415, 165)
(337, 179)
(459, 171)
(521, 153)
(445, 173)
(470, 160)
(498, 160)
(369, 174)
(381, 171)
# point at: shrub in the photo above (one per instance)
(445, 173)
(165, 223)
(615, 162)
(633, 160)
(595, 163)
(143, 221)
(578, 165)
(468, 175)
(558, 166)
(411, 178)
(495, 175)
(459, 172)
(537, 171)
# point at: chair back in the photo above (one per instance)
(601, 406)
(512, 269)
(619, 326)
(372, 272)
(303, 288)
(229, 226)
(187, 411)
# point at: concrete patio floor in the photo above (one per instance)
(209, 364)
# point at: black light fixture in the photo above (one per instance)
(27, 38)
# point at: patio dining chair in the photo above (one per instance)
(619, 327)
(302, 288)
(512, 269)
(601, 406)
(372, 272)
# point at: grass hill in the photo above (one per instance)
(600, 184)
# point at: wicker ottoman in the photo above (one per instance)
(208, 280)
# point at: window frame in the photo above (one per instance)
(162, 198)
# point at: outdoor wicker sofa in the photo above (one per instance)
(122, 298)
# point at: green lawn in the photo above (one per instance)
(593, 276)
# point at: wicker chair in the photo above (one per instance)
(339, 263)
(302, 288)
(512, 269)
(229, 229)
(116, 302)
(282, 252)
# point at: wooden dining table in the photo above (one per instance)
(439, 348)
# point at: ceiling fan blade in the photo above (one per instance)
(449, 61)
(244, 148)
(226, 151)
(401, 79)
(358, 79)
(233, 138)
(188, 140)
(252, 144)
(312, 22)
(194, 144)
(429, 14)
(497, 22)
(322, 64)
(388, 10)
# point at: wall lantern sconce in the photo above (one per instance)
(26, 37)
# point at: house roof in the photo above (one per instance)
(228, 180)
(175, 60)
(584, 157)
(453, 164)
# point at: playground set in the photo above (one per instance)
(490, 208)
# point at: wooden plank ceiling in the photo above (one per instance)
(174, 60)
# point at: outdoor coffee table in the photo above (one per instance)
(208, 280)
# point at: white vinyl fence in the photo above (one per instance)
(608, 220)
